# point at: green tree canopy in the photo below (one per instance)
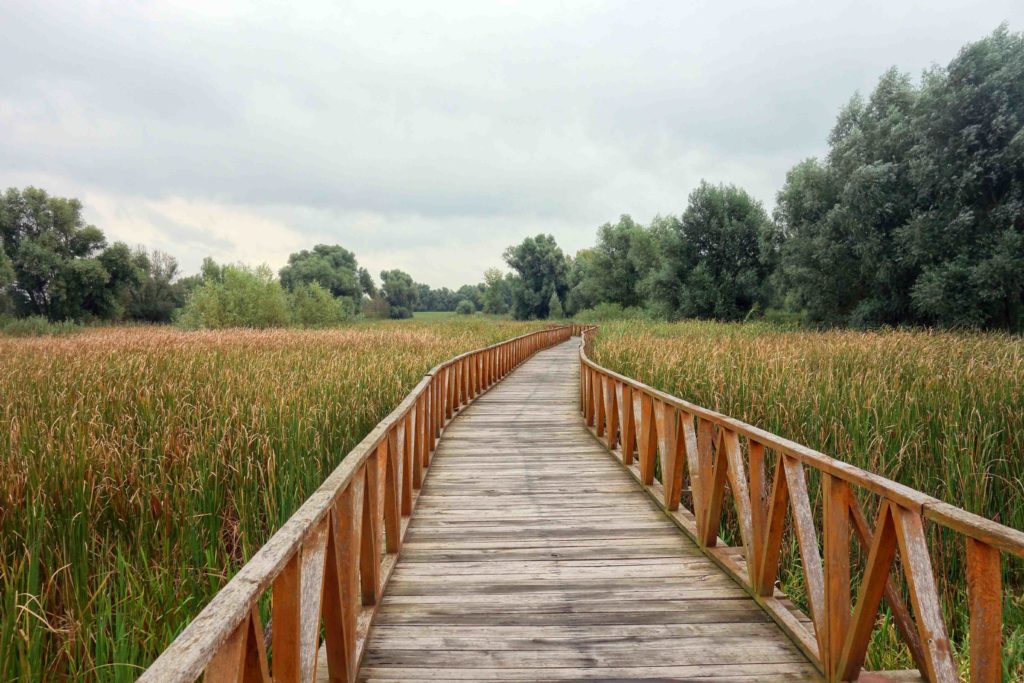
(313, 306)
(366, 283)
(62, 266)
(555, 311)
(497, 292)
(917, 213)
(236, 296)
(158, 293)
(473, 293)
(584, 281)
(718, 257)
(542, 269)
(332, 266)
(6, 282)
(400, 292)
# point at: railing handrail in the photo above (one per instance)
(957, 519)
(426, 409)
(601, 387)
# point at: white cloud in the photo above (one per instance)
(428, 136)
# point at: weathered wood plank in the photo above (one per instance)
(531, 552)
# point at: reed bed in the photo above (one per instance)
(940, 412)
(141, 467)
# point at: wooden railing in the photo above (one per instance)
(703, 457)
(329, 563)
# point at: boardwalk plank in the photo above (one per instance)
(533, 556)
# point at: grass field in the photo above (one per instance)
(137, 464)
(140, 467)
(940, 412)
(436, 315)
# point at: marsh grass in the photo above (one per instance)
(941, 412)
(141, 467)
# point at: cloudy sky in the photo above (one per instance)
(429, 136)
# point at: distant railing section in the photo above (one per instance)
(705, 457)
(328, 565)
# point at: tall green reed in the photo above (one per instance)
(942, 412)
(140, 468)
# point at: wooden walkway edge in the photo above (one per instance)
(532, 555)
(542, 546)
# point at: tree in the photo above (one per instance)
(966, 243)
(377, 308)
(620, 269)
(465, 307)
(313, 306)
(542, 269)
(584, 281)
(555, 311)
(917, 214)
(62, 267)
(236, 296)
(474, 293)
(400, 292)
(718, 256)
(366, 283)
(6, 283)
(497, 292)
(157, 295)
(332, 266)
(623, 260)
(442, 299)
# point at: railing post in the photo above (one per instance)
(758, 508)
(286, 606)
(418, 442)
(388, 452)
(985, 595)
(369, 552)
(627, 441)
(924, 596)
(836, 523)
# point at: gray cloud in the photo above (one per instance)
(428, 136)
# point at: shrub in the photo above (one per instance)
(314, 306)
(377, 308)
(400, 312)
(465, 307)
(37, 326)
(608, 311)
(237, 296)
(555, 311)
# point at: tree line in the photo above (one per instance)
(55, 267)
(914, 216)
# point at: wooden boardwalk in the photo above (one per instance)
(532, 552)
(533, 555)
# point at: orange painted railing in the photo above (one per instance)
(705, 457)
(330, 561)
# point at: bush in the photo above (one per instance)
(314, 306)
(608, 311)
(400, 312)
(237, 296)
(377, 307)
(36, 326)
(555, 311)
(465, 307)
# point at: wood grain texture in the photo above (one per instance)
(984, 587)
(532, 555)
(214, 639)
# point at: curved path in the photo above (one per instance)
(533, 555)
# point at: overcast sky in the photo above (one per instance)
(428, 136)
